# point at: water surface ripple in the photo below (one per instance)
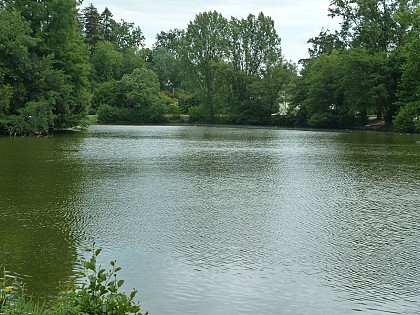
(209, 220)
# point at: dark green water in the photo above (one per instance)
(220, 220)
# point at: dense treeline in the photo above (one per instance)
(370, 67)
(217, 70)
(43, 67)
(60, 61)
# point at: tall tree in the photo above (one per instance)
(254, 44)
(370, 24)
(107, 62)
(63, 40)
(407, 119)
(364, 83)
(58, 57)
(93, 31)
(15, 62)
(325, 43)
(128, 36)
(109, 26)
(205, 44)
(254, 52)
(171, 41)
(167, 67)
(136, 98)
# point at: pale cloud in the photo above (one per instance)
(295, 21)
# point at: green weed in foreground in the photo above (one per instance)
(98, 293)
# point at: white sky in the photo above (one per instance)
(295, 21)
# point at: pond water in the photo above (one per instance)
(212, 220)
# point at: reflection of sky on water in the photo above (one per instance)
(222, 220)
(229, 220)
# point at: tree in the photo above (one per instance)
(254, 45)
(132, 59)
(107, 62)
(325, 43)
(171, 41)
(16, 60)
(33, 12)
(364, 83)
(366, 23)
(204, 45)
(136, 99)
(409, 90)
(109, 26)
(48, 68)
(255, 53)
(64, 42)
(372, 45)
(93, 30)
(128, 36)
(324, 96)
(266, 94)
(167, 67)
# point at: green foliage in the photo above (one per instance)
(364, 83)
(198, 113)
(369, 66)
(323, 120)
(103, 93)
(322, 77)
(370, 24)
(99, 293)
(112, 114)
(233, 67)
(204, 45)
(128, 35)
(167, 67)
(43, 67)
(34, 118)
(134, 99)
(407, 118)
(13, 300)
(409, 85)
(6, 94)
(108, 26)
(92, 27)
(106, 62)
(132, 60)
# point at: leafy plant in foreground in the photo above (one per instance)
(97, 293)
(12, 298)
(100, 292)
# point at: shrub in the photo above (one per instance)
(323, 120)
(34, 118)
(197, 113)
(99, 293)
(405, 120)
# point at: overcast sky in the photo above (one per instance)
(295, 20)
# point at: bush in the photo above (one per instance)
(34, 118)
(197, 113)
(111, 114)
(405, 120)
(98, 294)
(323, 120)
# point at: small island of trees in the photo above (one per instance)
(60, 62)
